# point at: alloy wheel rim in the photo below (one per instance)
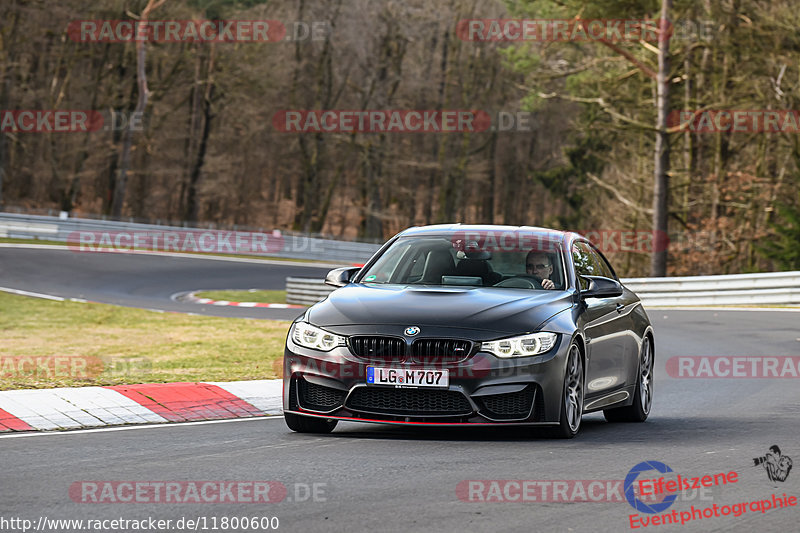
(573, 389)
(646, 377)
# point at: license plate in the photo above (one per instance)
(408, 377)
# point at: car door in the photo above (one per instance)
(604, 327)
(627, 358)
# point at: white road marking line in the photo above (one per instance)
(142, 426)
(33, 294)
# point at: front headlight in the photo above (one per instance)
(521, 346)
(315, 338)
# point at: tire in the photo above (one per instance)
(308, 424)
(572, 396)
(643, 396)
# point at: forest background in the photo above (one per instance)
(581, 155)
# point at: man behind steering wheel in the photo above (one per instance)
(538, 265)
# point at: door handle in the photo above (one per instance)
(620, 307)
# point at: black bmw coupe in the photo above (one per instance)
(472, 325)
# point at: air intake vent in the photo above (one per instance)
(408, 402)
(513, 405)
(319, 398)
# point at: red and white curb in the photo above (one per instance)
(194, 299)
(86, 407)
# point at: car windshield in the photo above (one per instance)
(470, 260)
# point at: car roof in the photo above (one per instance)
(445, 229)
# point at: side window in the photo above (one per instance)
(603, 266)
(584, 264)
(589, 262)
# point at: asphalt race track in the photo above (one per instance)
(379, 478)
(147, 281)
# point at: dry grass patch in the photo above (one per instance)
(130, 345)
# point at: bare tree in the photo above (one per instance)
(7, 46)
(141, 78)
(658, 265)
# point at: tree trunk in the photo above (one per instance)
(141, 104)
(487, 205)
(202, 105)
(8, 63)
(438, 150)
(658, 265)
(372, 224)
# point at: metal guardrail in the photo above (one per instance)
(306, 291)
(294, 246)
(771, 288)
(774, 288)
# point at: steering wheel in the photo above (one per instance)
(521, 281)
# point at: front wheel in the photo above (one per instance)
(572, 397)
(309, 424)
(643, 397)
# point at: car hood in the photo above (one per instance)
(478, 308)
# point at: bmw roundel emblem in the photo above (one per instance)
(411, 331)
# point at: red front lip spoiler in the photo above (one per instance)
(412, 423)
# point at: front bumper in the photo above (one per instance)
(483, 389)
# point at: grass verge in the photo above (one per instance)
(65, 344)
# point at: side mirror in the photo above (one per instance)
(339, 277)
(601, 287)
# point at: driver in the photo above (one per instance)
(538, 265)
